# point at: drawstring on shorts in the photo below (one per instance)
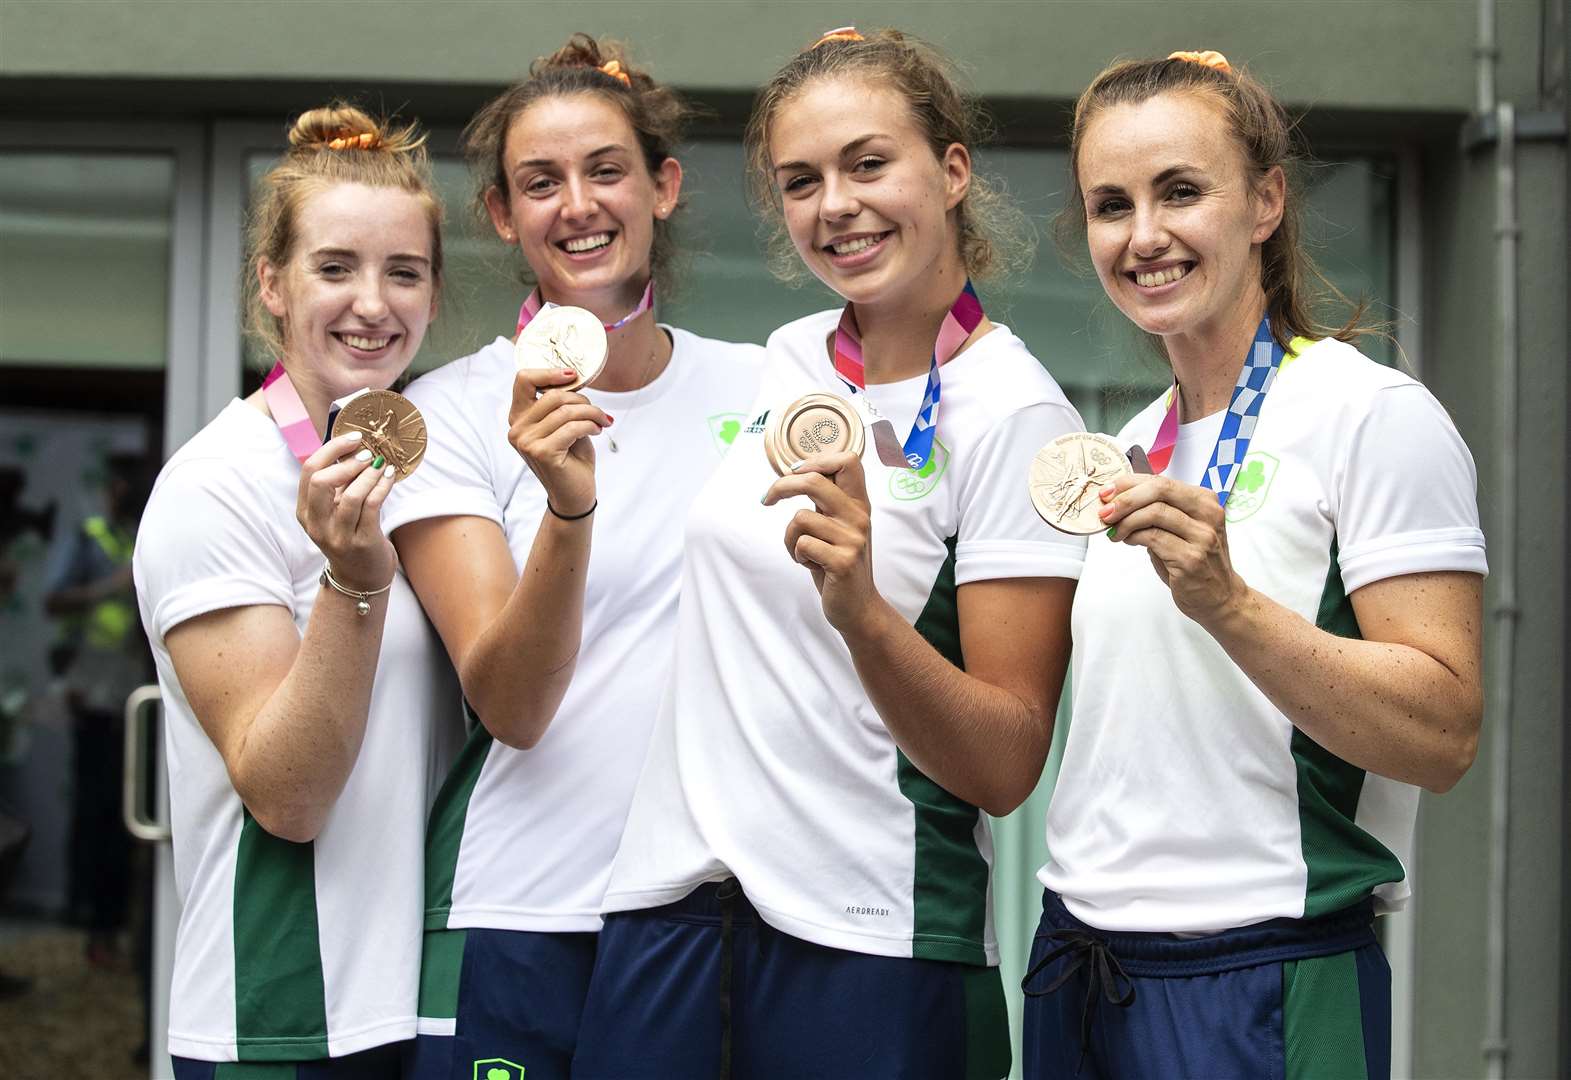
(1105, 977)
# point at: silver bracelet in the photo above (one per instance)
(363, 599)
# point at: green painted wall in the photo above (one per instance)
(1396, 54)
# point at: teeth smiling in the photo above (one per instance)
(1160, 277)
(365, 343)
(851, 247)
(581, 244)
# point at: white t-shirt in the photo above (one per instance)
(768, 760)
(1187, 801)
(523, 839)
(286, 952)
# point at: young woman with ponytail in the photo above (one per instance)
(1276, 645)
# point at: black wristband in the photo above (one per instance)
(571, 517)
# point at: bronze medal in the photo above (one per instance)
(558, 338)
(815, 424)
(1066, 476)
(392, 427)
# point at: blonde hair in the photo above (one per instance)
(995, 237)
(1293, 284)
(336, 144)
(658, 116)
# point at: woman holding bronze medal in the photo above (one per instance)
(803, 886)
(306, 699)
(545, 543)
(1277, 645)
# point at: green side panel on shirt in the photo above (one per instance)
(445, 830)
(951, 879)
(280, 996)
(441, 966)
(1322, 1019)
(1345, 863)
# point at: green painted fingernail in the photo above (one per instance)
(1111, 529)
(378, 461)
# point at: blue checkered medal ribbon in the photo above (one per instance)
(1243, 412)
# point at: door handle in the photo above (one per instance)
(136, 781)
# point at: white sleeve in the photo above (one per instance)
(456, 476)
(1001, 535)
(1408, 494)
(205, 544)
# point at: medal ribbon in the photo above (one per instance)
(534, 304)
(283, 401)
(1261, 364)
(964, 316)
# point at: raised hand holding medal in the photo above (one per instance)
(560, 350)
(1183, 526)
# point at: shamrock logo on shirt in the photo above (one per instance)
(1253, 476)
(725, 427)
(1251, 486)
(908, 484)
(498, 1069)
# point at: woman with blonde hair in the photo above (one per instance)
(305, 696)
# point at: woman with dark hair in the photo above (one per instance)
(542, 535)
(1279, 646)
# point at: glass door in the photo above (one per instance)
(100, 310)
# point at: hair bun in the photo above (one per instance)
(345, 127)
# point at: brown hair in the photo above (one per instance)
(657, 114)
(337, 144)
(1293, 284)
(995, 237)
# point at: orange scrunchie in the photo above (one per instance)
(613, 68)
(366, 140)
(1209, 58)
(843, 33)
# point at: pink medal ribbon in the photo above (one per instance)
(964, 316)
(534, 304)
(294, 423)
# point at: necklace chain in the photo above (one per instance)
(644, 381)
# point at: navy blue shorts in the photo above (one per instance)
(377, 1063)
(507, 1000)
(705, 988)
(1280, 1000)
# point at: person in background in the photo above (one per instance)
(1277, 645)
(101, 657)
(306, 700)
(543, 535)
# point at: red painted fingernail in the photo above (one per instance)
(569, 372)
(1107, 493)
(610, 419)
(1104, 512)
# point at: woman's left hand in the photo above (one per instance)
(1183, 529)
(834, 540)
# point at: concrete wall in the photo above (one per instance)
(1395, 54)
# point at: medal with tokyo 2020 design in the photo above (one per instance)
(558, 338)
(814, 424)
(390, 424)
(1066, 476)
